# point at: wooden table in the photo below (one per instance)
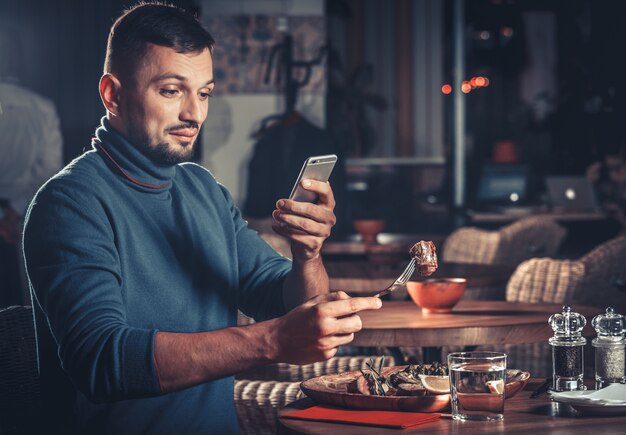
(522, 415)
(402, 323)
(365, 277)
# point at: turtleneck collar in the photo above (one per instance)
(130, 163)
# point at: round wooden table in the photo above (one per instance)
(402, 323)
(522, 415)
(357, 277)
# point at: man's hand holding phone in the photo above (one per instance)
(306, 224)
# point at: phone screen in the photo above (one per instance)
(316, 168)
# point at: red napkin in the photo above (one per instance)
(392, 419)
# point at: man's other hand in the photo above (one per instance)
(314, 330)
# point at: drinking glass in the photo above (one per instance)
(477, 382)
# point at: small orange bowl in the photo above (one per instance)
(437, 295)
(369, 228)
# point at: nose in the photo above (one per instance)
(193, 110)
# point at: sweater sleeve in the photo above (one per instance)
(261, 270)
(74, 270)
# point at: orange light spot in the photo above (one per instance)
(466, 87)
(507, 32)
(446, 89)
(480, 81)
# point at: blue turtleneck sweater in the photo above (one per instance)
(117, 248)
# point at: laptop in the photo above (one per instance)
(571, 193)
(502, 187)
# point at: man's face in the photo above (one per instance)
(163, 110)
(616, 167)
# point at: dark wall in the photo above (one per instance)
(63, 44)
(592, 90)
(590, 99)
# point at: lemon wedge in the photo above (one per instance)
(496, 387)
(436, 384)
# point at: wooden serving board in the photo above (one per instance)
(333, 390)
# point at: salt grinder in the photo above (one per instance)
(610, 348)
(567, 350)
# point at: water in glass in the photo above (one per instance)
(477, 387)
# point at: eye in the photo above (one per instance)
(169, 92)
(205, 95)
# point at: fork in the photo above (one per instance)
(400, 281)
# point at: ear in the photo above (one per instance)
(110, 93)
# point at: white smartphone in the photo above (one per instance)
(314, 168)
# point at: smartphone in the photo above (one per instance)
(314, 168)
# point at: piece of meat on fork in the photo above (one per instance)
(425, 254)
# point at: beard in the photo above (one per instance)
(164, 154)
(160, 152)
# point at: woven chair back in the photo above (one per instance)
(534, 236)
(545, 280)
(605, 276)
(471, 245)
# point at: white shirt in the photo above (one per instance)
(31, 145)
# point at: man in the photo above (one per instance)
(609, 179)
(139, 262)
(30, 153)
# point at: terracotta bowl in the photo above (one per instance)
(437, 295)
(369, 228)
(516, 380)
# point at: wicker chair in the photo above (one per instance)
(604, 281)
(597, 279)
(260, 393)
(257, 403)
(19, 376)
(541, 280)
(545, 280)
(526, 238)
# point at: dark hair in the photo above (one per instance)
(152, 23)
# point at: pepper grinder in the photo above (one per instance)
(567, 350)
(610, 348)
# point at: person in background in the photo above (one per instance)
(609, 179)
(31, 151)
(139, 261)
